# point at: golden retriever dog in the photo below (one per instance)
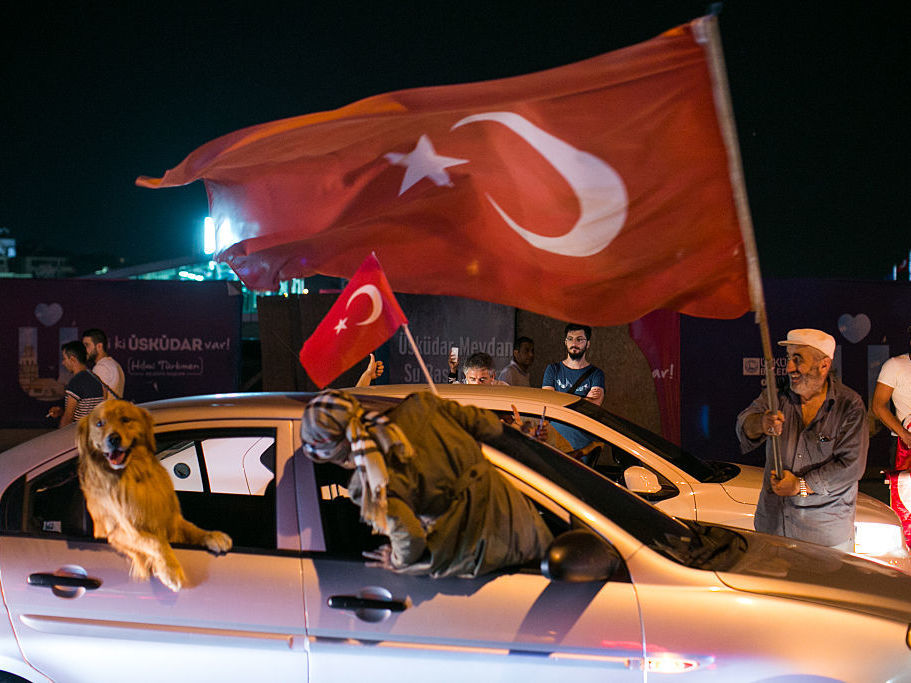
(130, 496)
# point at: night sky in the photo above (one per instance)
(95, 94)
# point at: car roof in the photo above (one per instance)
(469, 391)
(274, 405)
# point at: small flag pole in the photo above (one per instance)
(417, 354)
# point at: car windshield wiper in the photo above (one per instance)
(715, 547)
(709, 547)
(674, 546)
(721, 472)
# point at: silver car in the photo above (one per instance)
(625, 592)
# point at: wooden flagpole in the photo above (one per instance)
(417, 354)
(706, 32)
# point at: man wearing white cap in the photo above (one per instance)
(823, 443)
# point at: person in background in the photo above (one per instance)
(479, 369)
(894, 386)
(105, 368)
(374, 371)
(523, 355)
(822, 425)
(574, 374)
(83, 391)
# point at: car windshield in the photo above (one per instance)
(706, 472)
(692, 544)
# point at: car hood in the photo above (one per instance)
(773, 565)
(744, 488)
(871, 510)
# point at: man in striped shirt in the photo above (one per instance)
(83, 392)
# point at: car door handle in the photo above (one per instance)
(51, 580)
(354, 602)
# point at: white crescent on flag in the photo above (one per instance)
(375, 298)
(598, 187)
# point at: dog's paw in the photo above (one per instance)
(218, 542)
(172, 577)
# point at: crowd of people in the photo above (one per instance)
(573, 375)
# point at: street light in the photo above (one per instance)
(208, 236)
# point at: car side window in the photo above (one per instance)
(50, 503)
(563, 436)
(224, 479)
(345, 534)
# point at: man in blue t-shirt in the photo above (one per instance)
(565, 375)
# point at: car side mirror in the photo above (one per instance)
(640, 479)
(579, 556)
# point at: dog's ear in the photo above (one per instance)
(148, 428)
(82, 435)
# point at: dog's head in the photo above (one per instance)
(113, 429)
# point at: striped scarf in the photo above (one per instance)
(335, 428)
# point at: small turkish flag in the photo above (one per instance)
(365, 316)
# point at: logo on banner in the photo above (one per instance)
(755, 367)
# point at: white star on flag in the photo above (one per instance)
(342, 325)
(423, 162)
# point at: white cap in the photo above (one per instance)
(809, 337)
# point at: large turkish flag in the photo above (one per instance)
(594, 192)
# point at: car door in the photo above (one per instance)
(241, 614)
(507, 626)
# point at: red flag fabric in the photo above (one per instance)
(594, 192)
(365, 315)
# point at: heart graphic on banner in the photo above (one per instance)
(48, 314)
(854, 327)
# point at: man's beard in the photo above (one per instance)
(575, 355)
(809, 384)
